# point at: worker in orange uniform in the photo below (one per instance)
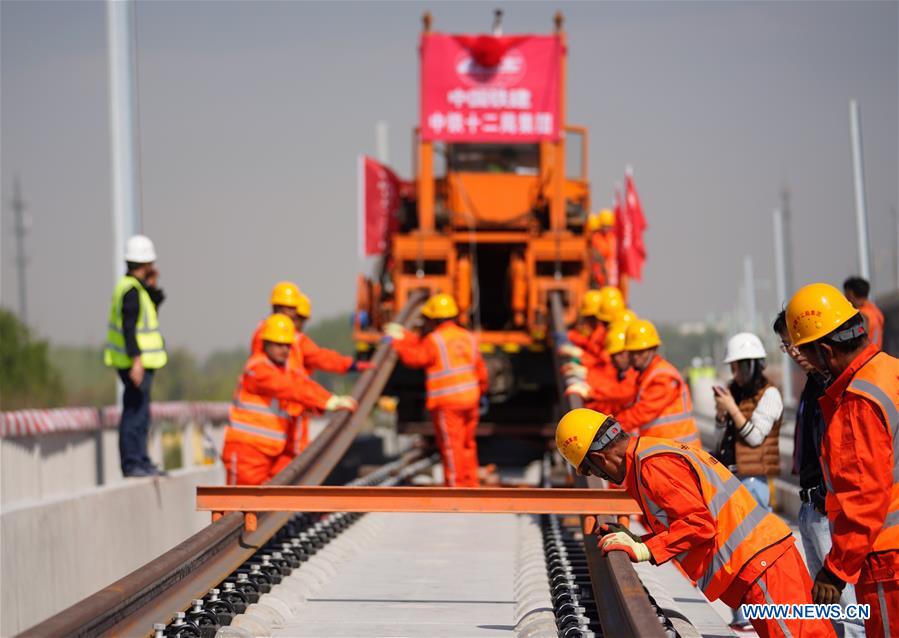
(603, 248)
(596, 312)
(858, 458)
(698, 514)
(663, 406)
(579, 334)
(287, 299)
(456, 383)
(857, 291)
(268, 399)
(609, 388)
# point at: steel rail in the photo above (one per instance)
(459, 500)
(152, 593)
(621, 600)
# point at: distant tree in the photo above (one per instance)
(28, 378)
(179, 380)
(680, 348)
(87, 380)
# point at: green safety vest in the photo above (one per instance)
(149, 339)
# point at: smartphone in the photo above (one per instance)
(717, 389)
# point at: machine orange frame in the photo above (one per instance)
(251, 499)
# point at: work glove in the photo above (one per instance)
(570, 350)
(483, 405)
(341, 402)
(622, 542)
(574, 370)
(580, 388)
(361, 366)
(614, 528)
(827, 588)
(395, 330)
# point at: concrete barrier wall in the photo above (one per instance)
(56, 552)
(42, 466)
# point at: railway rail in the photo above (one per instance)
(203, 583)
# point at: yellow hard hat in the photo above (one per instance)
(590, 303)
(641, 334)
(627, 316)
(606, 217)
(285, 293)
(815, 311)
(279, 328)
(611, 308)
(440, 306)
(593, 222)
(304, 306)
(615, 337)
(576, 432)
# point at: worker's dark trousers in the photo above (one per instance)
(135, 424)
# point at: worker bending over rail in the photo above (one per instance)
(598, 309)
(456, 383)
(698, 514)
(613, 387)
(269, 399)
(287, 299)
(859, 459)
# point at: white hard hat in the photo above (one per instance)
(139, 250)
(744, 345)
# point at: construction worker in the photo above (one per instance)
(749, 411)
(614, 386)
(579, 335)
(662, 406)
(270, 395)
(814, 528)
(603, 248)
(136, 349)
(698, 515)
(861, 411)
(857, 291)
(456, 383)
(287, 299)
(596, 312)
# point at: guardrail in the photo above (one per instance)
(51, 453)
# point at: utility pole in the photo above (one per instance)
(382, 147)
(125, 203)
(781, 260)
(20, 230)
(861, 205)
(896, 253)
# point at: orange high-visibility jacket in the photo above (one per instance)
(604, 258)
(700, 514)
(266, 403)
(873, 321)
(316, 358)
(662, 406)
(455, 371)
(595, 349)
(578, 338)
(612, 391)
(860, 462)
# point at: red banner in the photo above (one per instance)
(490, 89)
(379, 201)
(629, 226)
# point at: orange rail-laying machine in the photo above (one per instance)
(494, 215)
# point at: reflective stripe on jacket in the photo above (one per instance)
(743, 528)
(261, 421)
(877, 381)
(676, 421)
(452, 378)
(149, 338)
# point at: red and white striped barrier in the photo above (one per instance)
(35, 422)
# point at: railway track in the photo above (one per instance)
(211, 584)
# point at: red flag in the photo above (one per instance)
(378, 201)
(632, 250)
(624, 233)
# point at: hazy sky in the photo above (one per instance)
(252, 114)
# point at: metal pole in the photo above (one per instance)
(749, 290)
(861, 206)
(896, 254)
(780, 263)
(21, 229)
(125, 204)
